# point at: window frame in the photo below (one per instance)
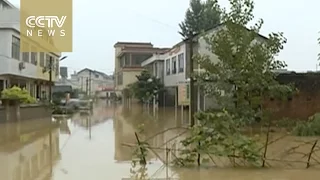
(181, 61)
(174, 64)
(34, 55)
(26, 55)
(168, 67)
(15, 48)
(42, 59)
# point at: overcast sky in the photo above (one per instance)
(99, 24)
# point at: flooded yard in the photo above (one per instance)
(93, 147)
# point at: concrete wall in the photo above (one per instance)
(25, 112)
(130, 77)
(301, 105)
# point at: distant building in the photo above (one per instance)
(176, 71)
(128, 59)
(90, 81)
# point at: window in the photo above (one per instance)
(42, 59)
(155, 72)
(15, 48)
(181, 62)
(47, 61)
(127, 60)
(188, 91)
(34, 55)
(174, 65)
(137, 59)
(26, 55)
(96, 76)
(168, 66)
(57, 67)
(1, 86)
(122, 60)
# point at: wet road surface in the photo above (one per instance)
(91, 147)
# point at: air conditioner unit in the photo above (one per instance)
(21, 65)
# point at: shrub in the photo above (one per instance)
(17, 93)
(308, 128)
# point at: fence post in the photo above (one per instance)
(310, 154)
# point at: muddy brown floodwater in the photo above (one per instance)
(92, 147)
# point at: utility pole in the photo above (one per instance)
(81, 84)
(50, 74)
(87, 87)
(192, 90)
(50, 78)
(90, 82)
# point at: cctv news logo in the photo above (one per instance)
(51, 25)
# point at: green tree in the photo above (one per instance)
(146, 87)
(199, 17)
(239, 81)
(244, 74)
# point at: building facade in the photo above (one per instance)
(128, 59)
(90, 81)
(28, 70)
(176, 71)
(155, 65)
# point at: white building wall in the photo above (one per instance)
(175, 79)
(9, 26)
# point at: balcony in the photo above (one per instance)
(133, 60)
(155, 57)
(138, 50)
(18, 68)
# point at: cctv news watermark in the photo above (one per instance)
(49, 24)
(46, 26)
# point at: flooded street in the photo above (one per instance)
(93, 147)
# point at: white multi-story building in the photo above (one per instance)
(24, 69)
(176, 69)
(91, 81)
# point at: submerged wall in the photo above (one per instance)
(11, 111)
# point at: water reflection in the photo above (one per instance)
(167, 122)
(93, 146)
(28, 150)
